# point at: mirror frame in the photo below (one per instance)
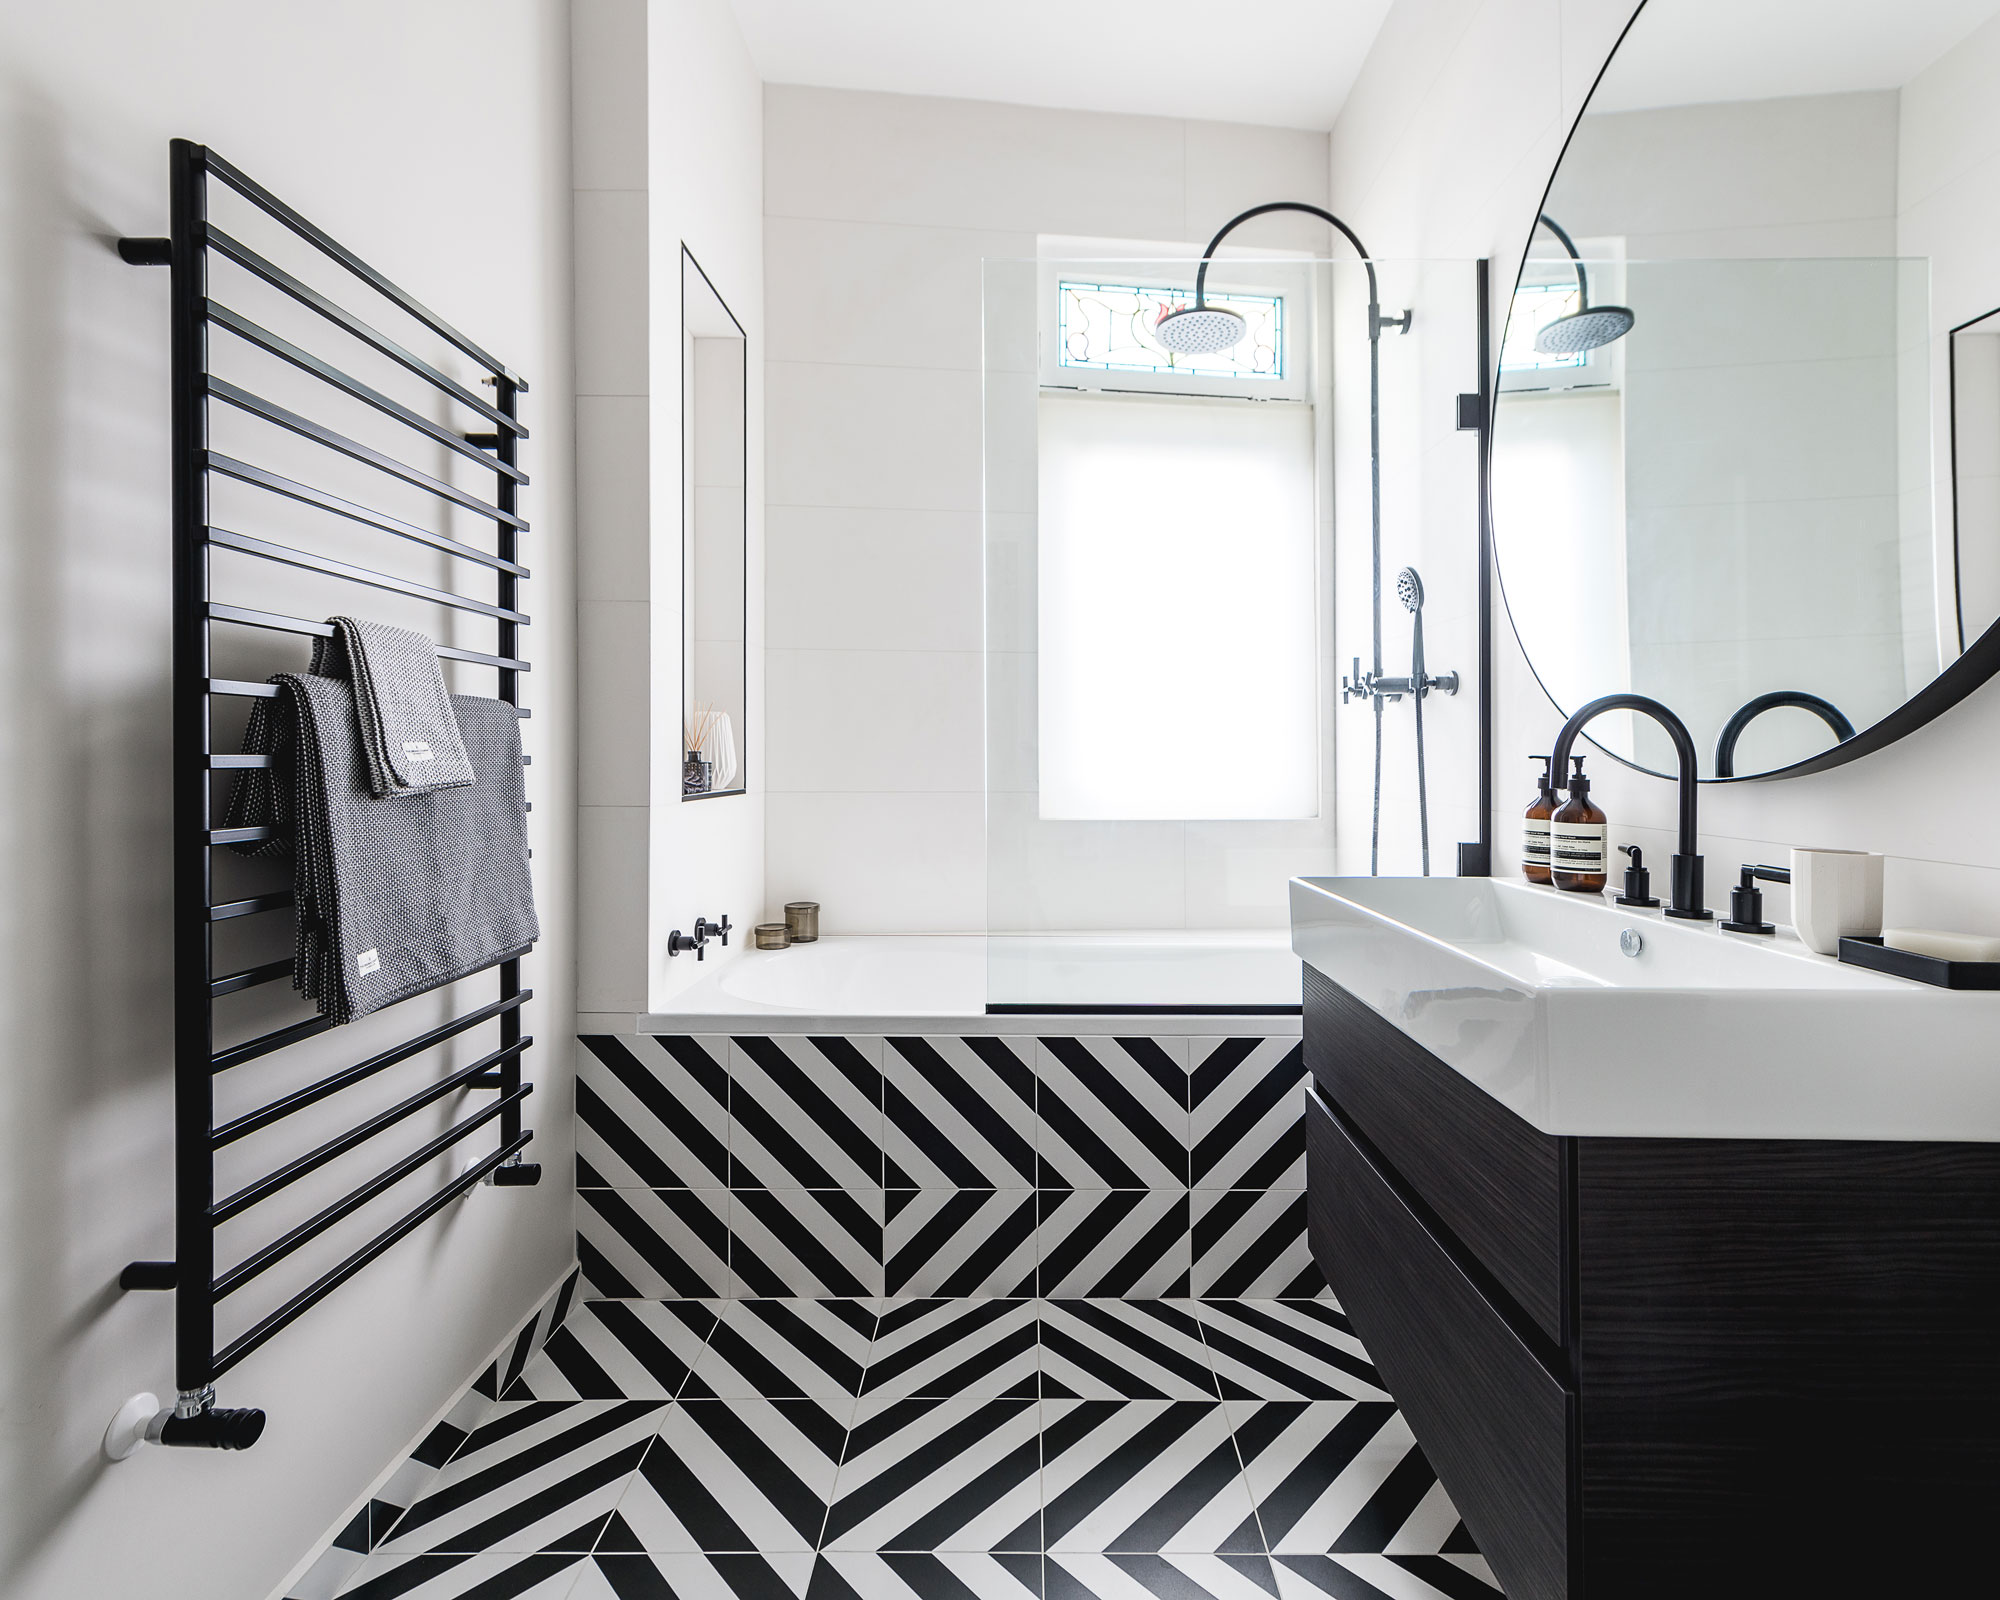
(1976, 662)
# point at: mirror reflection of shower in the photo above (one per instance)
(1588, 327)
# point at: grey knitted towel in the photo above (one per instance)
(394, 895)
(408, 733)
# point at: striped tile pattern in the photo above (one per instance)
(939, 1449)
(959, 1113)
(941, 1165)
(652, 1113)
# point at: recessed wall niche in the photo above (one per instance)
(714, 368)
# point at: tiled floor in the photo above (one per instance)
(967, 1449)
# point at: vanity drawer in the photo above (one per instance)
(1492, 1420)
(1494, 1180)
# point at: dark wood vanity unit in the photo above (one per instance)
(1688, 1367)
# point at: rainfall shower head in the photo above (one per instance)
(1200, 330)
(1589, 326)
(1410, 589)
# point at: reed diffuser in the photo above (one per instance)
(697, 772)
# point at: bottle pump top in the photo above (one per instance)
(1545, 780)
(1579, 785)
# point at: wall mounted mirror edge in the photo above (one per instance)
(715, 464)
(1733, 497)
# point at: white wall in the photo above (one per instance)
(879, 210)
(1445, 148)
(433, 139)
(669, 153)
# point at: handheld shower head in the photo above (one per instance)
(1410, 589)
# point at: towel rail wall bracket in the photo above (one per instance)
(195, 1420)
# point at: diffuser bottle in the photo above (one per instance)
(1535, 828)
(1577, 844)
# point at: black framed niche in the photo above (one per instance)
(715, 448)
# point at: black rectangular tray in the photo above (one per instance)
(1872, 953)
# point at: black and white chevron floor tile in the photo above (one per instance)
(936, 1449)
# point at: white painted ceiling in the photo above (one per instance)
(1283, 63)
(1697, 52)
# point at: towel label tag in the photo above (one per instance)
(417, 750)
(368, 961)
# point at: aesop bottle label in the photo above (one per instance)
(1577, 846)
(1535, 842)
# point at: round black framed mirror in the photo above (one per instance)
(1746, 434)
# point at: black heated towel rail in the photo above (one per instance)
(483, 430)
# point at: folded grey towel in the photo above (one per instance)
(408, 733)
(394, 895)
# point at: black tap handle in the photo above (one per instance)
(723, 928)
(1638, 881)
(1746, 900)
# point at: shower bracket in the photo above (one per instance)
(1376, 686)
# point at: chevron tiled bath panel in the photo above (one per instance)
(1052, 1165)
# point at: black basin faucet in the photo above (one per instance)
(1686, 872)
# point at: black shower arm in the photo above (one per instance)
(1353, 238)
(1750, 710)
(1569, 244)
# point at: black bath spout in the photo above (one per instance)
(1686, 900)
(1750, 710)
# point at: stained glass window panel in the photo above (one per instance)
(1108, 327)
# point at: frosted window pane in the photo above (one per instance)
(1535, 306)
(1108, 327)
(1178, 677)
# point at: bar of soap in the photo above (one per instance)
(1945, 946)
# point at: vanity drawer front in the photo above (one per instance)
(1494, 1181)
(1492, 1420)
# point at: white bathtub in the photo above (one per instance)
(881, 983)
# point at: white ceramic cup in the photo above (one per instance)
(1835, 893)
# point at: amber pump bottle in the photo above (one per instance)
(1577, 843)
(1535, 828)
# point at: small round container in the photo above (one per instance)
(802, 917)
(771, 935)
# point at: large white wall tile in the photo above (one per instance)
(1232, 166)
(880, 863)
(611, 908)
(613, 497)
(608, 94)
(611, 292)
(971, 164)
(614, 640)
(1237, 872)
(849, 579)
(879, 294)
(872, 436)
(907, 720)
(1051, 875)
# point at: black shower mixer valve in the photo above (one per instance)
(679, 943)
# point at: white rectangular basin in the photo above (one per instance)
(1529, 993)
